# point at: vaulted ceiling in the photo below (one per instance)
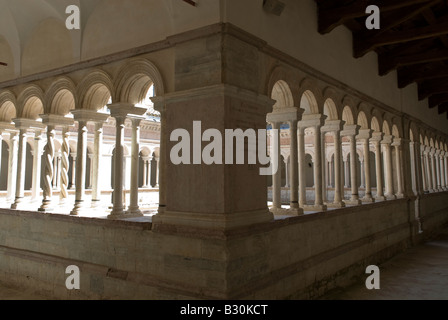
(412, 39)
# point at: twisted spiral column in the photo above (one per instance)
(65, 149)
(48, 164)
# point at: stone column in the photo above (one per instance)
(423, 169)
(428, 169)
(12, 165)
(378, 168)
(365, 135)
(399, 166)
(145, 173)
(37, 161)
(65, 149)
(48, 165)
(437, 169)
(388, 168)
(351, 131)
(302, 166)
(73, 177)
(294, 168)
(95, 164)
(81, 154)
(318, 170)
(446, 168)
(442, 171)
(433, 170)
(277, 176)
(346, 174)
(120, 111)
(416, 172)
(338, 191)
(20, 185)
(334, 128)
(133, 209)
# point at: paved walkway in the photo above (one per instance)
(420, 273)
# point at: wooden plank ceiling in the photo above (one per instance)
(412, 39)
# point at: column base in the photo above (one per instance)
(353, 202)
(18, 204)
(390, 197)
(399, 196)
(336, 205)
(368, 199)
(380, 198)
(79, 207)
(314, 207)
(46, 206)
(210, 221)
(134, 212)
(95, 203)
(287, 212)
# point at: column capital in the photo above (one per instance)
(387, 140)
(26, 124)
(55, 120)
(81, 115)
(364, 134)
(125, 109)
(312, 120)
(333, 126)
(350, 130)
(377, 137)
(286, 115)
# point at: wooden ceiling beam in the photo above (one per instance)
(330, 18)
(419, 74)
(443, 108)
(429, 88)
(435, 100)
(389, 63)
(395, 18)
(362, 46)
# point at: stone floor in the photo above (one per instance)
(420, 273)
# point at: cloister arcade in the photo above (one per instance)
(316, 152)
(84, 140)
(76, 128)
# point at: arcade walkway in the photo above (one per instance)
(420, 273)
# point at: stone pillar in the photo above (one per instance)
(442, 171)
(365, 135)
(378, 168)
(48, 165)
(302, 166)
(338, 191)
(145, 173)
(120, 111)
(423, 170)
(437, 166)
(81, 155)
(346, 173)
(65, 149)
(12, 165)
(388, 168)
(446, 168)
(428, 169)
(399, 166)
(20, 191)
(277, 176)
(133, 209)
(95, 164)
(318, 170)
(334, 127)
(351, 131)
(294, 168)
(73, 177)
(433, 169)
(416, 171)
(37, 161)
